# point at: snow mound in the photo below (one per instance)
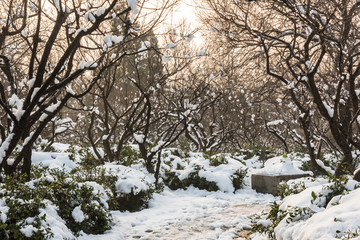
(129, 179)
(54, 160)
(339, 218)
(282, 165)
(219, 168)
(336, 219)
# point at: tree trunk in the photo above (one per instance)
(26, 167)
(157, 171)
(306, 128)
(345, 166)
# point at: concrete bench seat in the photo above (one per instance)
(268, 183)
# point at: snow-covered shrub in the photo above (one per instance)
(83, 205)
(263, 152)
(282, 165)
(52, 200)
(217, 160)
(20, 212)
(197, 181)
(318, 195)
(101, 177)
(183, 148)
(328, 160)
(218, 172)
(265, 223)
(238, 178)
(285, 189)
(129, 155)
(84, 156)
(132, 188)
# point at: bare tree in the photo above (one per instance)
(51, 52)
(311, 48)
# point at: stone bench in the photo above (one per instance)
(268, 183)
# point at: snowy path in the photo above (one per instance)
(192, 215)
(221, 223)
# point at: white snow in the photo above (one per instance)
(57, 5)
(19, 113)
(90, 63)
(329, 109)
(3, 210)
(139, 137)
(309, 66)
(4, 146)
(340, 217)
(69, 90)
(28, 230)
(133, 5)
(100, 11)
(56, 223)
(78, 214)
(53, 107)
(188, 214)
(15, 100)
(282, 165)
(81, 65)
(98, 189)
(61, 129)
(54, 160)
(117, 39)
(31, 82)
(81, 29)
(276, 122)
(129, 179)
(221, 174)
(199, 214)
(322, 165)
(89, 17)
(36, 90)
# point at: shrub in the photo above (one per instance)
(308, 166)
(263, 152)
(181, 173)
(131, 188)
(217, 160)
(273, 218)
(178, 152)
(320, 198)
(20, 209)
(200, 182)
(129, 156)
(172, 180)
(84, 156)
(238, 178)
(65, 192)
(24, 200)
(284, 189)
(184, 146)
(101, 177)
(134, 201)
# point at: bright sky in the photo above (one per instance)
(186, 10)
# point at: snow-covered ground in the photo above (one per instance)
(189, 214)
(180, 214)
(314, 211)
